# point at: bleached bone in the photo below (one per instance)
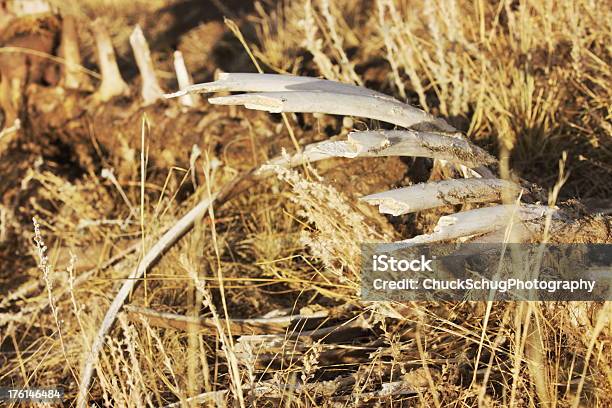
(385, 110)
(183, 225)
(112, 83)
(381, 143)
(74, 78)
(249, 82)
(184, 80)
(437, 194)
(321, 96)
(28, 7)
(151, 90)
(283, 93)
(168, 238)
(519, 233)
(483, 221)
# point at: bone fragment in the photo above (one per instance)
(437, 194)
(391, 143)
(112, 83)
(74, 77)
(489, 220)
(386, 110)
(518, 233)
(151, 90)
(284, 93)
(239, 82)
(169, 237)
(184, 80)
(182, 226)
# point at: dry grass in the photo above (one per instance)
(532, 79)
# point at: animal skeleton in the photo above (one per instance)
(283, 93)
(423, 136)
(438, 140)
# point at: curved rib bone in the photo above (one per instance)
(483, 221)
(437, 194)
(239, 82)
(151, 90)
(382, 143)
(112, 83)
(183, 225)
(385, 110)
(284, 93)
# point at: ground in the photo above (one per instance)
(104, 181)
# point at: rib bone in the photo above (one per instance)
(483, 221)
(519, 233)
(74, 78)
(238, 82)
(385, 110)
(392, 143)
(184, 80)
(112, 83)
(282, 93)
(151, 90)
(436, 194)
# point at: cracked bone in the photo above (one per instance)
(74, 77)
(112, 83)
(184, 80)
(440, 193)
(386, 110)
(380, 143)
(488, 220)
(151, 90)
